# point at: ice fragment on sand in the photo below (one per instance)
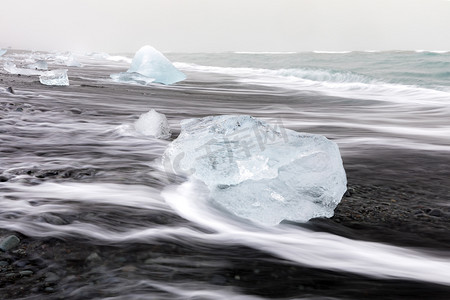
(55, 77)
(39, 65)
(13, 69)
(154, 124)
(2, 51)
(150, 65)
(260, 172)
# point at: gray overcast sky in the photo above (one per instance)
(225, 25)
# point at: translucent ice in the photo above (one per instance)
(13, 69)
(150, 65)
(260, 172)
(2, 51)
(154, 124)
(72, 62)
(39, 65)
(55, 77)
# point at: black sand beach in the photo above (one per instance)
(396, 196)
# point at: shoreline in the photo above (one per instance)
(396, 196)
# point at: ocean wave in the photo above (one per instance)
(330, 82)
(264, 52)
(331, 52)
(433, 51)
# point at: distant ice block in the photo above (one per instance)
(260, 172)
(38, 65)
(13, 69)
(154, 124)
(55, 77)
(150, 65)
(72, 62)
(2, 51)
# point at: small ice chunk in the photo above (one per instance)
(55, 77)
(154, 124)
(72, 62)
(13, 69)
(150, 65)
(257, 171)
(2, 51)
(39, 65)
(132, 78)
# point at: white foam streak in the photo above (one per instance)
(122, 195)
(318, 250)
(321, 250)
(341, 84)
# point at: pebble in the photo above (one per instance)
(436, 213)
(10, 90)
(93, 257)
(3, 263)
(26, 273)
(49, 289)
(51, 277)
(9, 243)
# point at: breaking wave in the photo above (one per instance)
(331, 82)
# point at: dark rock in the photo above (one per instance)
(3, 179)
(3, 263)
(436, 213)
(9, 243)
(51, 277)
(10, 275)
(75, 111)
(52, 219)
(350, 191)
(21, 263)
(10, 90)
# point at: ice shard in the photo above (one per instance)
(38, 65)
(2, 51)
(55, 77)
(13, 69)
(154, 124)
(150, 65)
(257, 171)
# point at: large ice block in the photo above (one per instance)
(55, 77)
(150, 65)
(2, 51)
(154, 124)
(257, 171)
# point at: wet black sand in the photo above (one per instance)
(396, 196)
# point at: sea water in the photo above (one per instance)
(68, 173)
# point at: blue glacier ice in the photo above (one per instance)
(150, 65)
(55, 77)
(261, 172)
(2, 51)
